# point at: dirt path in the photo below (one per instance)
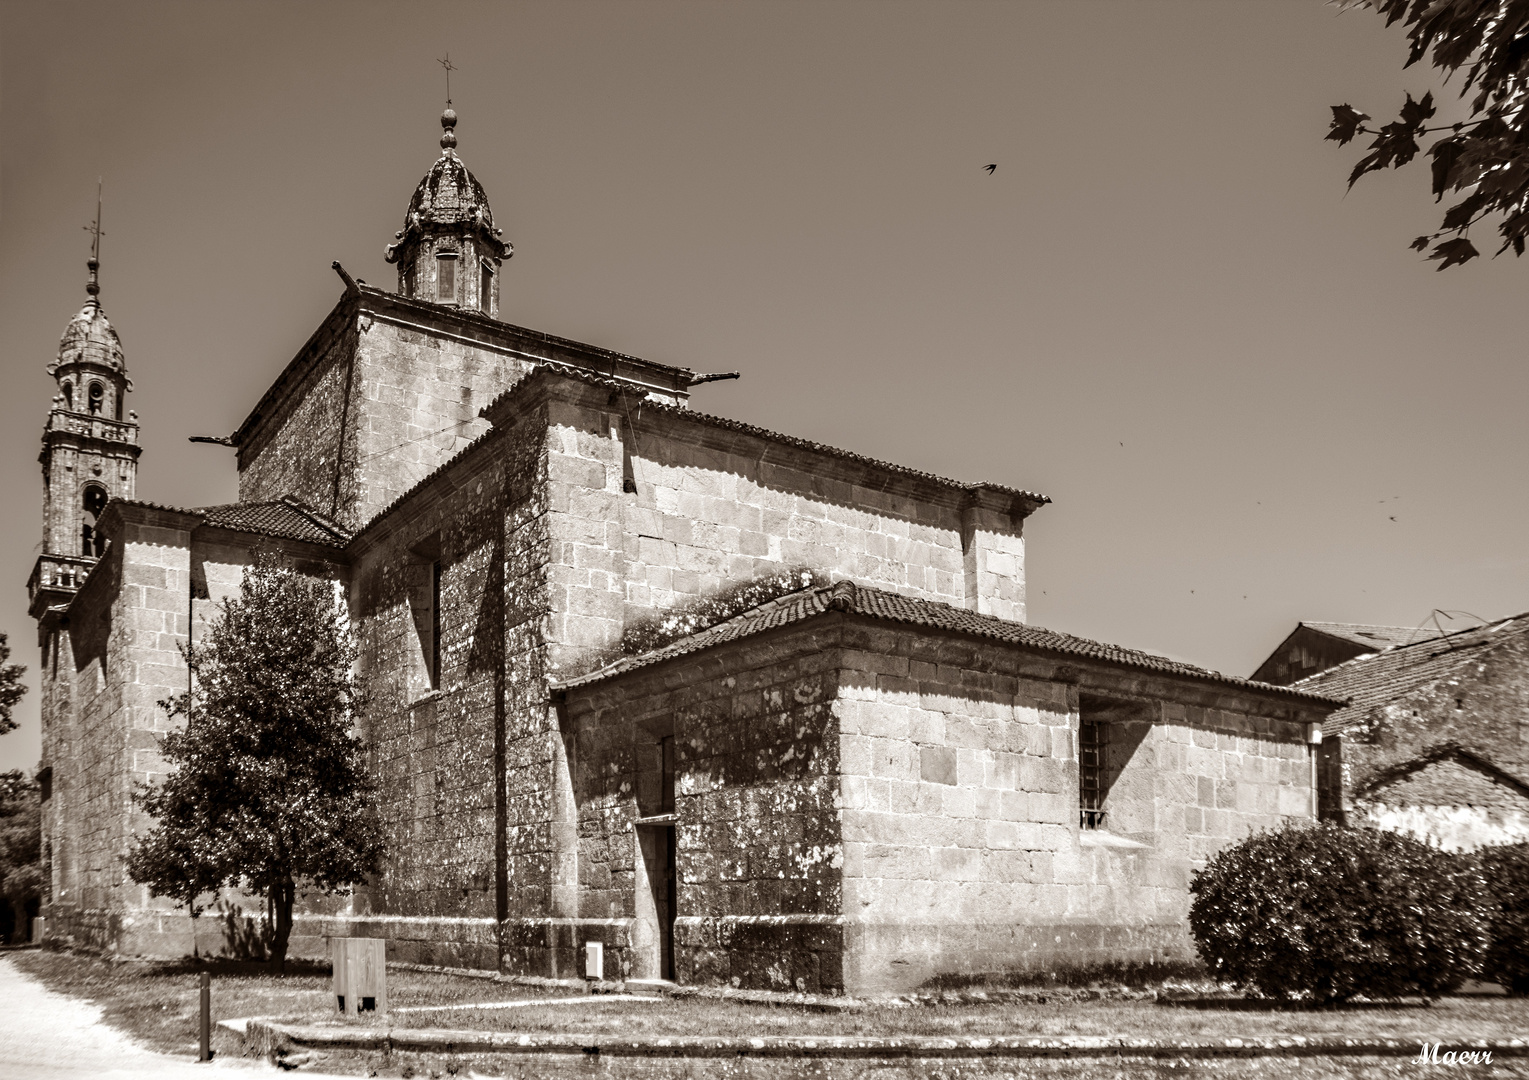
(47, 1036)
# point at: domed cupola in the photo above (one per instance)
(91, 368)
(449, 250)
(90, 338)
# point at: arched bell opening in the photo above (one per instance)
(92, 543)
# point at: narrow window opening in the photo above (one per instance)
(486, 290)
(1093, 741)
(628, 474)
(446, 276)
(435, 625)
(97, 395)
(666, 775)
(424, 571)
(68, 395)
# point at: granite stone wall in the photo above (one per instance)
(158, 584)
(306, 447)
(963, 852)
(755, 761)
(873, 808)
(649, 512)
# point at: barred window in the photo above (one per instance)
(1093, 738)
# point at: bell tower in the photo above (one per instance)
(449, 251)
(89, 446)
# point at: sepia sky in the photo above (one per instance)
(1251, 403)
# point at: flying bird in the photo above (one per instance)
(991, 169)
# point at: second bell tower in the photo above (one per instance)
(89, 448)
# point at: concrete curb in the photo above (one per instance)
(266, 1037)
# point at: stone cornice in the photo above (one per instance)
(450, 323)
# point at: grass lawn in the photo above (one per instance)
(1453, 1019)
(157, 1003)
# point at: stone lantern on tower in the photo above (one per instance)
(449, 251)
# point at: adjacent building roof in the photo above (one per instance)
(1376, 679)
(846, 596)
(284, 519)
(1374, 637)
(287, 518)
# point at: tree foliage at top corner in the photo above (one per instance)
(1484, 159)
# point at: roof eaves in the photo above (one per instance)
(1034, 500)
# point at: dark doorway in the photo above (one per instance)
(667, 903)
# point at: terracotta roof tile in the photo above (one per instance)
(286, 519)
(894, 607)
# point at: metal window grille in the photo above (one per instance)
(1093, 740)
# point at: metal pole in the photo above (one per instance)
(206, 1026)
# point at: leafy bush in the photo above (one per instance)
(1506, 870)
(1326, 912)
(707, 612)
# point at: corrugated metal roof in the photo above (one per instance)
(1375, 637)
(1376, 679)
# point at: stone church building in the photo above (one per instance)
(745, 708)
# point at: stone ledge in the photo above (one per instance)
(266, 1037)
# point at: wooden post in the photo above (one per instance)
(206, 1025)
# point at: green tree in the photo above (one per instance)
(11, 688)
(21, 875)
(1484, 158)
(269, 790)
(20, 814)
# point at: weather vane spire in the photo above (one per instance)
(93, 287)
(449, 117)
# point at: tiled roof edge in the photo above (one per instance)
(848, 597)
(774, 436)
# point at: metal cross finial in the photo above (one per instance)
(450, 67)
(94, 228)
(96, 232)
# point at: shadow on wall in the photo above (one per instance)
(245, 937)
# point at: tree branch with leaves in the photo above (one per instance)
(1483, 159)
